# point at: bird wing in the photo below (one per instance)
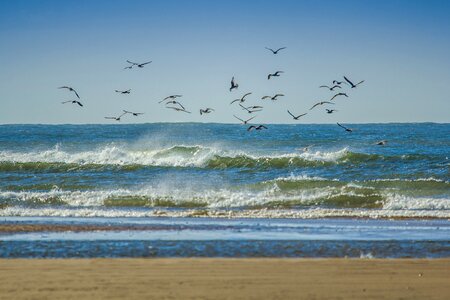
(246, 95)
(270, 50)
(280, 49)
(240, 118)
(66, 101)
(145, 63)
(324, 86)
(359, 82)
(278, 72)
(79, 103)
(278, 95)
(334, 97)
(250, 119)
(326, 102)
(302, 115)
(126, 111)
(262, 126)
(110, 118)
(76, 93)
(133, 63)
(180, 105)
(351, 83)
(235, 101)
(342, 126)
(291, 113)
(251, 127)
(319, 103)
(268, 76)
(64, 87)
(265, 97)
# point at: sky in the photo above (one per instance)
(400, 48)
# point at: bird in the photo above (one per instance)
(339, 94)
(139, 65)
(381, 143)
(123, 92)
(116, 118)
(296, 117)
(330, 111)
(234, 85)
(249, 110)
(242, 99)
(175, 102)
(178, 109)
(206, 110)
(272, 98)
(73, 101)
(259, 127)
(132, 113)
(330, 88)
(70, 89)
(351, 83)
(346, 129)
(337, 82)
(170, 97)
(244, 121)
(321, 103)
(275, 51)
(255, 107)
(276, 74)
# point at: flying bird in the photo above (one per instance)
(176, 103)
(73, 101)
(244, 121)
(330, 88)
(70, 89)
(234, 85)
(249, 110)
(206, 110)
(296, 117)
(116, 118)
(272, 98)
(259, 127)
(330, 111)
(123, 92)
(351, 83)
(139, 65)
(275, 51)
(339, 94)
(337, 82)
(276, 74)
(132, 113)
(242, 99)
(346, 129)
(178, 109)
(321, 103)
(171, 97)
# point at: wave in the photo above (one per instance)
(122, 158)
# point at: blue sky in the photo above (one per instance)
(401, 49)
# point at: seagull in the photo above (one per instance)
(139, 65)
(70, 89)
(123, 92)
(234, 85)
(337, 82)
(206, 110)
(339, 94)
(170, 97)
(321, 103)
(296, 117)
(275, 51)
(272, 98)
(175, 102)
(132, 113)
(330, 88)
(240, 100)
(346, 129)
(73, 101)
(259, 127)
(381, 143)
(351, 83)
(330, 111)
(249, 110)
(276, 74)
(178, 109)
(244, 121)
(116, 118)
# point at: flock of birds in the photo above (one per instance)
(173, 101)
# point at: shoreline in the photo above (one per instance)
(218, 278)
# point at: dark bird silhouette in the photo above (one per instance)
(241, 100)
(206, 110)
(321, 103)
(255, 107)
(70, 89)
(346, 129)
(272, 98)
(178, 109)
(139, 65)
(73, 101)
(123, 92)
(338, 94)
(132, 113)
(337, 82)
(176, 103)
(296, 117)
(249, 110)
(275, 51)
(330, 88)
(259, 127)
(234, 85)
(244, 121)
(381, 143)
(351, 83)
(171, 97)
(116, 118)
(330, 111)
(276, 74)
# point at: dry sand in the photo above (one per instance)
(224, 279)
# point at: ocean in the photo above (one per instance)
(167, 172)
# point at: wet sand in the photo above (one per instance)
(211, 278)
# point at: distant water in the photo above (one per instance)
(224, 171)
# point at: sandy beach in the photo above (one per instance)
(224, 278)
